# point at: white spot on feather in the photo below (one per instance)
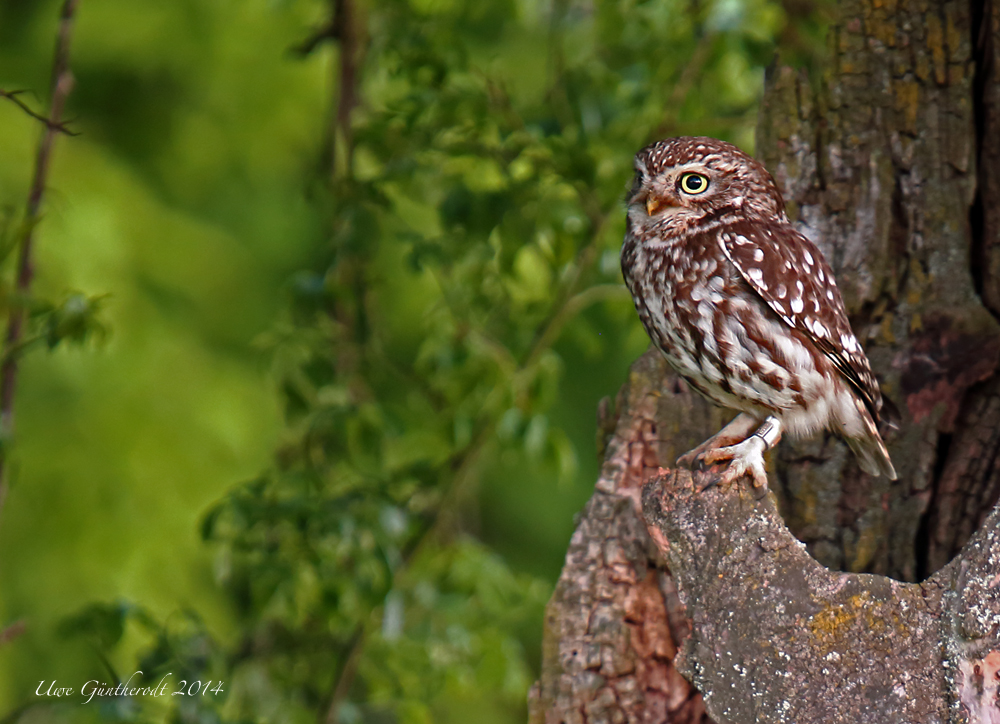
(797, 305)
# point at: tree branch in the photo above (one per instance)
(62, 84)
(12, 96)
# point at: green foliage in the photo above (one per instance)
(75, 320)
(434, 347)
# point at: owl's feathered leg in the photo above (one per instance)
(748, 456)
(736, 431)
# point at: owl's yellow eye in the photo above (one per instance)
(694, 183)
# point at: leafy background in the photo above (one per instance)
(330, 448)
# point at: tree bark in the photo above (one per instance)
(890, 162)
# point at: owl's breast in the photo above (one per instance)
(700, 312)
(676, 281)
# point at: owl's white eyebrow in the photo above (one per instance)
(691, 166)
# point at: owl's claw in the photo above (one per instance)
(691, 457)
(745, 457)
(737, 430)
(697, 456)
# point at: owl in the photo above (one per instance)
(744, 307)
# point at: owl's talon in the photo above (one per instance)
(687, 459)
(745, 457)
(736, 431)
(695, 459)
(692, 458)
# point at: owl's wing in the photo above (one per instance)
(791, 275)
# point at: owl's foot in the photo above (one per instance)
(736, 431)
(747, 456)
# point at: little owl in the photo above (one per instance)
(744, 307)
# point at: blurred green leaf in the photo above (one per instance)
(102, 623)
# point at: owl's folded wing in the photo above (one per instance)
(792, 277)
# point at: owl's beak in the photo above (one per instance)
(656, 203)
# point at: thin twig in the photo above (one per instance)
(62, 84)
(320, 36)
(12, 96)
(585, 258)
(345, 677)
(346, 29)
(20, 347)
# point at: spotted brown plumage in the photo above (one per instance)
(745, 307)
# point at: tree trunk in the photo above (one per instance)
(891, 163)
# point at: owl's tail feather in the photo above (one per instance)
(870, 450)
(889, 418)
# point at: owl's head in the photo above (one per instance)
(688, 180)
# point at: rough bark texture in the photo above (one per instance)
(986, 212)
(615, 621)
(891, 163)
(878, 161)
(777, 637)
